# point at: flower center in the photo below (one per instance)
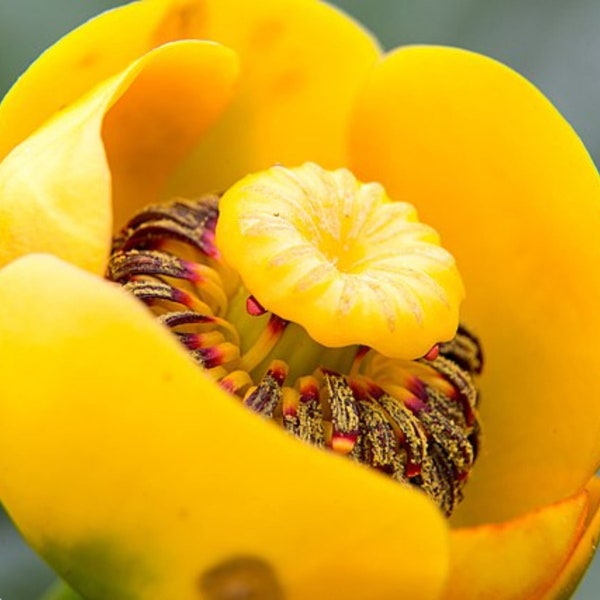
(324, 307)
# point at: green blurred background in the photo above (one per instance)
(554, 43)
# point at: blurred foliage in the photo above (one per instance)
(553, 43)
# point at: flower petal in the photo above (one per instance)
(101, 48)
(302, 64)
(517, 559)
(567, 582)
(55, 188)
(136, 476)
(497, 171)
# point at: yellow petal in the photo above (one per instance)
(55, 188)
(518, 559)
(135, 476)
(302, 63)
(90, 54)
(566, 583)
(497, 171)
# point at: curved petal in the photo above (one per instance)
(101, 48)
(498, 172)
(135, 476)
(56, 187)
(566, 584)
(302, 64)
(518, 559)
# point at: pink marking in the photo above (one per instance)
(374, 390)
(415, 405)
(192, 272)
(212, 357)
(276, 324)
(309, 393)
(433, 353)
(417, 387)
(227, 385)
(183, 297)
(254, 307)
(278, 372)
(209, 246)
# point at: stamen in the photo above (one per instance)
(190, 222)
(236, 382)
(265, 344)
(413, 420)
(344, 413)
(310, 412)
(264, 398)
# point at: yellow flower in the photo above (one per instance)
(132, 472)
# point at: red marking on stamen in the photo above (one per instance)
(433, 353)
(211, 357)
(276, 325)
(192, 341)
(309, 391)
(278, 370)
(228, 385)
(254, 307)
(374, 390)
(416, 387)
(361, 352)
(183, 297)
(412, 469)
(289, 406)
(464, 475)
(415, 405)
(358, 389)
(209, 246)
(215, 356)
(192, 272)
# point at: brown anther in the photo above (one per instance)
(187, 221)
(344, 413)
(268, 394)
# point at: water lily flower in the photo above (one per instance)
(130, 456)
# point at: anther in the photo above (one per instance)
(344, 413)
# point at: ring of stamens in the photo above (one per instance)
(415, 421)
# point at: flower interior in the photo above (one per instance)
(325, 307)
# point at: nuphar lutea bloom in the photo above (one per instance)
(234, 361)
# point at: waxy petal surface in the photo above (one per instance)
(302, 63)
(492, 165)
(579, 560)
(102, 48)
(56, 187)
(518, 559)
(135, 476)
